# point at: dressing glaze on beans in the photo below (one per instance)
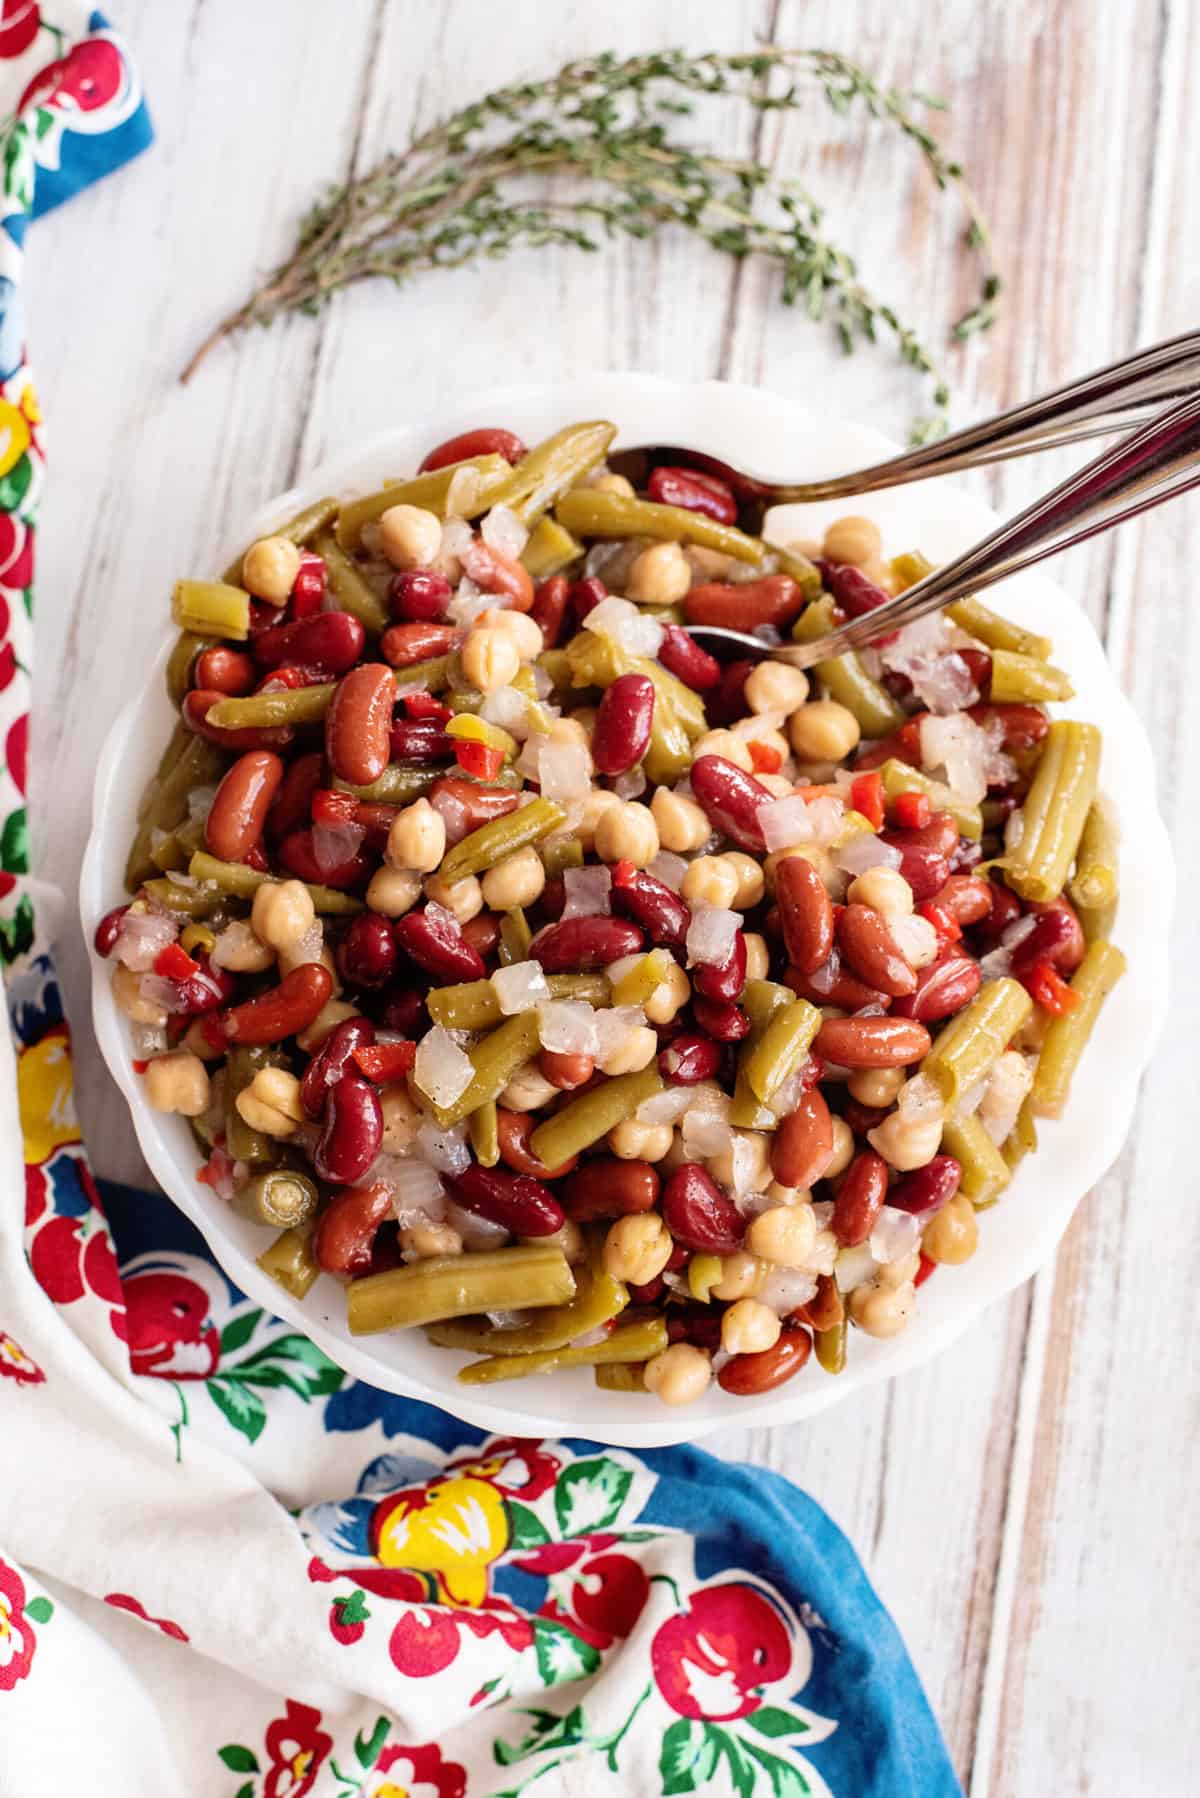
(593, 994)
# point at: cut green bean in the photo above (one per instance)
(473, 1005)
(781, 1048)
(182, 660)
(243, 882)
(242, 1140)
(592, 1115)
(806, 574)
(1055, 811)
(969, 1044)
(899, 778)
(621, 1376)
(846, 680)
(266, 711)
(188, 762)
(763, 1001)
(211, 609)
(289, 1261)
(1022, 1139)
(350, 586)
(484, 847)
(456, 1286)
(552, 467)
(495, 1061)
(830, 1347)
(280, 1197)
(985, 1172)
(972, 616)
(644, 978)
(633, 1345)
(1024, 679)
(1067, 1037)
(550, 549)
(585, 512)
(1094, 882)
(429, 491)
(482, 1129)
(556, 665)
(298, 530)
(598, 1300)
(596, 661)
(515, 937)
(560, 853)
(434, 675)
(399, 784)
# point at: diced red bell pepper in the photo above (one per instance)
(948, 928)
(427, 705)
(764, 757)
(385, 1062)
(926, 1268)
(623, 873)
(911, 811)
(174, 963)
(478, 758)
(866, 796)
(139, 1067)
(1047, 988)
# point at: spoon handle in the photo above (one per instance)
(1153, 465)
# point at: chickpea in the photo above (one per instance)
(952, 1234)
(906, 1143)
(626, 832)
(637, 1049)
(843, 1149)
(570, 1239)
(882, 1311)
(676, 1155)
(708, 564)
(516, 879)
(519, 626)
(875, 1086)
(741, 1277)
(421, 1242)
(749, 878)
(882, 573)
(606, 482)
(758, 956)
(788, 1195)
(178, 1082)
(195, 1038)
(669, 997)
(784, 1235)
(634, 1141)
(598, 801)
(774, 687)
(637, 1248)
(463, 898)
(271, 1103)
(681, 823)
(898, 1273)
(571, 730)
(331, 1014)
(585, 717)
(241, 951)
(127, 995)
(269, 569)
(710, 880)
(402, 1118)
(300, 955)
(823, 731)
(660, 575)
(754, 1162)
(680, 1375)
(885, 890)
(282, 913)
(393, 891)
(777, 785)
(409, 536)
(528, 1090)
(852, 539)
(490, 660)
(417, 838)
(728, 745)
(749, 1327)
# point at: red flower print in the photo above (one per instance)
(16, 558)
(424, 1642)
(403, 1772)
(19, 23)
(609, 1595)
(16, 752)
(35, 1195)
(121, 1601)
(17, 1639)
(86, 78)
(385, 1582)
(514, 1464)
(15, 1364)
(712, 1660)
(297, 1748)
(56, 1259)
(169, 1330)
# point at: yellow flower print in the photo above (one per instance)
(454, 1529)
(44, 1100)
(14, 436)
(30, 406)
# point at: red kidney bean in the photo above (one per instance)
(940, 835)
(290, 808)
(516, 1201)
(746, 1375)
(497, 573)
(683, 657)
(980, 664)
(483, 933)
(288, 678)
(418, 595)
(564, 1070)
(903, 745)
(730, 798)
(578, 944)
(927, 1188)
(352, 1133)
(726, 979)
(805, 913)
(942, 988)
(698, 1214)
(728, 703)
(332, 807)
(403, 645)
(439, 947)
(1005, 910)
(485, 440)
(1023, 725)
(862, 1118)
(330, 641)
(222, 670)
(855, 594)
(1057, 937)
(367, 953)
(923, 868)
(720, 1019)
(299, 857)
(513, 1130)
(824, 1309)
(108, 930)
(549, 609)
(420, 740)
(868, 946)
(743, 484)
(967, 898)
(694, 491)
(284, 1010)
(403, 1011)
(239, 809)
(358, 723)
(622, 729)
(831, 984)
(346, 1229)
(653, 905)
(773, 599)
(463, 805)
(802, 1145)
(332, 1060)
(688, 1058)
(308, 588)
(553, 900)
(199, 703)
(697, 1324)
(204, 990)
(860, 1198)
(585, 595)
(872, 1042)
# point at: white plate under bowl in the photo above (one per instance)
(767, 434)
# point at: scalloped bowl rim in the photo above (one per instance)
(764, 433)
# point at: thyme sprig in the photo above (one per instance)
(590, 153)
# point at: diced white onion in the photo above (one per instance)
(520, 987)
(588, 892)
(445, 1150)
(854, 1267)
(564, 771)
(634, 630)
(453, 814)
(825, 978)
(785, 822)
(149, 1040)
(442, 1071)
(668, 868)
(996, 964)
(1010, 1081)
(158, 991)
(705, 1135)
(442, 916)
(970, 1101)
(335, 844)
(865, 851)
(309, 947)
(463, 492)
(710, 935)
(143, 937)
(568, 1027)
(543, 683)
(666, 1107)
(200, 803)
(417, 1191)
(956, 744)
(1018, 930)
(614, 1026)
(895, 1235)
(457, 538)
(915, 938)
(788, 1095)
(827, 815)
(920, 1099)
(630, 785)
(785, 1289)
(477, 1232)
(508, 708)
(503, 531)
(468, 602)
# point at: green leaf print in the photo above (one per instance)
(16, 932)
(14, 843)
(354, 1610)
(689, 1756)
(768, 1720)
(238, 1405)
(16, 484)
(40, 1609)
(547, 1730)
(787, 1781)
(239, 1330)
(19, 165)
(561, 1655)
(527, 1531)
(291, 1361)
(238, 1759)
(367, 1747)
(589, 1496)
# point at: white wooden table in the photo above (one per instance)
(1027, 1503)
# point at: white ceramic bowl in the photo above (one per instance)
(767, 434)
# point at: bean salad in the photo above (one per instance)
(576, 997)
